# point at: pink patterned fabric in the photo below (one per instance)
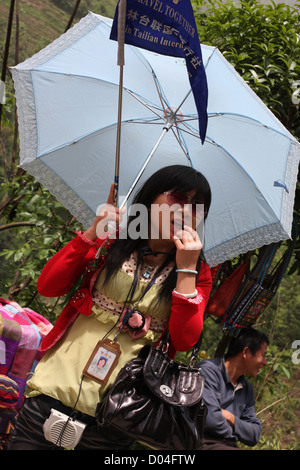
(21, 333)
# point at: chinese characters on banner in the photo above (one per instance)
(168, 27)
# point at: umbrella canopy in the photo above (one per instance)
(67, 98)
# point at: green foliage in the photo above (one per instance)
(281, 319)
(36, 226)
(106, 8)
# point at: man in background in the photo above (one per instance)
(229, 395)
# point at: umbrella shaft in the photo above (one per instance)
(121, 62)
(118, 145)
(165, 129)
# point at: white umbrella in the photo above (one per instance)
(67, 98)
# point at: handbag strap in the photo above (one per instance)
(165, 340)
(195, 350)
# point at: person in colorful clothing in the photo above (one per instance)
(162, 281)
(9, 396)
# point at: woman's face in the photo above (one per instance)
(171, 210)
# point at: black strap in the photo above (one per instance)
(196, 349)
(165, 341)
(143, 252)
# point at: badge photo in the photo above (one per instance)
(102, 361)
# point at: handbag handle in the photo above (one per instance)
(195, 350)
(165, 340)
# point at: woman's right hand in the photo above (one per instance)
(107, 213)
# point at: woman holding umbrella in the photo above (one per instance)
(131, 295)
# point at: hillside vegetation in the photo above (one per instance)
(42, 21)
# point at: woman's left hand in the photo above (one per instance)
(188, 248)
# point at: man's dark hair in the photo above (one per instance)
(247, 338)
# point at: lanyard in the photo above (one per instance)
(132, 289)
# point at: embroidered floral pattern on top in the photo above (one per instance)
(112, 307)
(129, 267)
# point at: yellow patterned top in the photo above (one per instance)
(59, 372)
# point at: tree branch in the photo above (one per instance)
(17, 224)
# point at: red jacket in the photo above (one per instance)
(65, 268)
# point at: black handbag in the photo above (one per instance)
(157, 401)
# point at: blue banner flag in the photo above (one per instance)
(168, 27)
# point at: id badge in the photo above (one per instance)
(103, 360)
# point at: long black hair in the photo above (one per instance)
(174, 177)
